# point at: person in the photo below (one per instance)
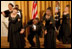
(35, 30)
(19, 11)
(14, 29)
(57, 16)
(22, 36)
(57, 20)
(57, 5)
(7, 12)
(49, 36)
(65, 28)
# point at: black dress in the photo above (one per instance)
(22, 36)
(49, 38)
(57, 20)
(14, 32)
(66, 29)
(57, 24)
(7, 13)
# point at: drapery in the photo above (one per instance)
(26, 7)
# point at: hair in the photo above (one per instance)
(11, 4)
(37, 19)
(49, 8)
(68, 6)
(16, 5)
(16, 9)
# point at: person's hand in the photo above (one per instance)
(61, 21)
(50, 22)
(65, 13)
(45, 32)
(18, 19)
(22, 31)
(3, 13)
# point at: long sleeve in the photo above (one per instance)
(7, 13)
(29, 23)
(19, 24)
(68, 19)
(21, 13)
(53, 22)
(43, 19)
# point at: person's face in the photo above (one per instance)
(48, 12)
(16, 7)
(35, 21)
(57, 2)
(56, 10)
(10, 7)
(15, 11)
(66, 9)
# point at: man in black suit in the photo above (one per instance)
(35, 30)
(19, 11)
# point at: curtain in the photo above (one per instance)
(26, 7)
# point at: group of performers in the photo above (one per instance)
(16, 29)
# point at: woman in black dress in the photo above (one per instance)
(66, 26)
(7, 12)
(49, 37)
(14, 29)
(57, 22)
(22, 36)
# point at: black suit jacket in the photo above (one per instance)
(38, 29)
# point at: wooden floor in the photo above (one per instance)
(5, 44)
